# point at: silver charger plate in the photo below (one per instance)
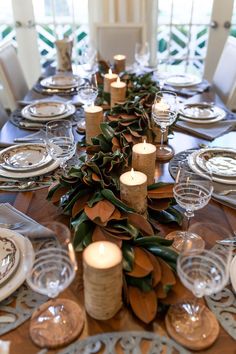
(9, 258)
(70, 110)
(221, 114)
(199, 111)
(221, 162)
(47, 108)
(24, 157)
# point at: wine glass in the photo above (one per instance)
(203, 272)
(192, 192)
(164, 113)
(142, 55)
(53, 270)
(88, 60)
(87, 95)
(60, 142)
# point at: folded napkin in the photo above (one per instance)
(189, 91)
(228, 200)
(38, 137)
(30, 228)
(206, 131)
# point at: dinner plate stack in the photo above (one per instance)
(183, 80)
(26, 160)
(47, 110)
(221, 162)
(201, 113)
(61, 83)
(16, 256)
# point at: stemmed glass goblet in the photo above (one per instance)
(60, 142)
(87, 95)
(164, 113)
(53, 270)
(203, 272)
(192, 192)
(142, 55)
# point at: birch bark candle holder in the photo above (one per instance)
(102, 273)
(144, 160)
(133, 190)
(108, 79)
(93, 118)
(118, 92)
(119, 63)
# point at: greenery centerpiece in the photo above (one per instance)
(90, 194)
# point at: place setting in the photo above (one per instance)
(185, 84)
(63, 84)
(205, 120)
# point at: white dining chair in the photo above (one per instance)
(3, 115)
(224, 79)
(11, 77)
(112, 39)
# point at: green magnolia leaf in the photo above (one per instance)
(109, 195)
(78, 219)
(152, 241)
(144, 284)
(157, 185)
(128, 257)
(107, 131)
(164, 252)
(95, 198)
(167, 216)
(133, 231)
(78, 195)
(83, 235)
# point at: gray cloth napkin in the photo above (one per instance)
(30, 228)
(206, 131)
(189, 91)
(39, 136)
(228, 200)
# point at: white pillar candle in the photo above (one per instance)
(144, 159)
(133, 190)
(118, 92)
(93, 118)
(160, 106)
(108, 79)
(102, 272)
(119, 63)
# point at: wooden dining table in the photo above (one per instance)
(35, 205)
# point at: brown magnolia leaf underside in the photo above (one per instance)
(167, 274)
(142, 265)
(80, 204)
(100, 235)
(100, 212)
(58, 194)
(159, 204)
(144, 304)
(156, 274)
(141, 223)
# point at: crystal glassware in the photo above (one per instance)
(164, 113)
(60, 142)
(192, 192)
(142, 55)
(203, 272)
(53, 270)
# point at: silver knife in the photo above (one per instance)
(227, 241)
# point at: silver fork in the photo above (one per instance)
(12, 226)
(227, 191)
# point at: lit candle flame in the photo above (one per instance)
(132, 173)
(118, 80)
(101, 249)
(144, 144)
(110, 72)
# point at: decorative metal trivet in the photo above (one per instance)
(123, 342)
(181, 157)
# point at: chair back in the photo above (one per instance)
(112, 39)
(224, 79)
(11, 77)
(3, 115)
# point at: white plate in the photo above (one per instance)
(200, 111)
(9, 258)
(220, 117)
(24, 157)
(61, 81)
(183, 80)
(193, 165)
(232, 273)
(26, 262)
(47, 108)
(26, 114)
(34, 173)
(221, 162)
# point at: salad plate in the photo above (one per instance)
(9, 258)
(70, 110)
(61, 81)
(47, 108)
(183, 80)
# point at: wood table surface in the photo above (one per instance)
(36, 206)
